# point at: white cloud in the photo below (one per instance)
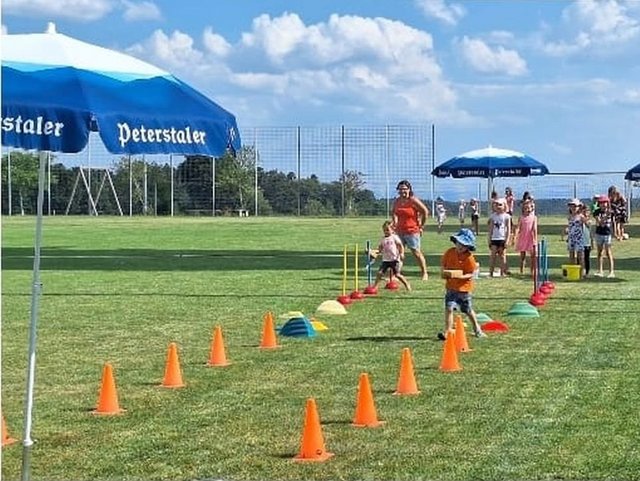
(351, 63)
(497, 60)
(85, 10)
(3, 30)
(134, 11)
(214, 43)
(173, 52)
(440, 10)
(597, 24)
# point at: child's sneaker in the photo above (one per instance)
(480, 334)
(441, 336)
(611, 275)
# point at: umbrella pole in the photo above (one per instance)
(36, 289)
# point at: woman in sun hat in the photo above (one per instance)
(603, 217)
(457, 268)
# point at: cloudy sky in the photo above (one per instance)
(559, 80)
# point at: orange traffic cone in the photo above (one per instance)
(6, 439)
(217, 357)
(449, 361)
(406, 379)
(268, 333)
(365, 415)
(172, 372)
(312, 448)
(461, 337)
(108, 399)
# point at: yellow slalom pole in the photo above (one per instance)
(355, 268)
(344, 270)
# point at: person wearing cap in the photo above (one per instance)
(457, 268)
(499, 234)
(575, 234)
(603, 217)
(526, 236)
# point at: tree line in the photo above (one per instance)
(146, 188)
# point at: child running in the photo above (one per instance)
(459, 286)
(527, 235)
(392, 251)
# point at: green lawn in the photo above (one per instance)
(555, 398)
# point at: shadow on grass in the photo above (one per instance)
(388, 338)
(224, 295)
(61, 259)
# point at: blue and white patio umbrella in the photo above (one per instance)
(56, 90)
(489, 163)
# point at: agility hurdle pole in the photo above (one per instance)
(344, 298)
(369, 279)
(370, 289)
(356, 294)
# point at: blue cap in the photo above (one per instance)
(466, 237)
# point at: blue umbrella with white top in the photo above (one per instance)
(489, 163)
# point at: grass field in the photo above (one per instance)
(555, 398)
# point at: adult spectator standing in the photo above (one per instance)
(409, 217)
(619, 209)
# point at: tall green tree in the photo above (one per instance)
(352, 182)
(24, 178)
(235, 179)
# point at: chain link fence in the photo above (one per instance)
(298, 170)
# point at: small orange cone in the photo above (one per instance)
(449, 361)
(406, 379)
(268, 333)
(172, 372)
(365, 415)
(312, 446)
(217, 356)
(461, 337)
(6, 439)
(108, 399)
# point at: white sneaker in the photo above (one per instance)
(598, 274)
(611, 275)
